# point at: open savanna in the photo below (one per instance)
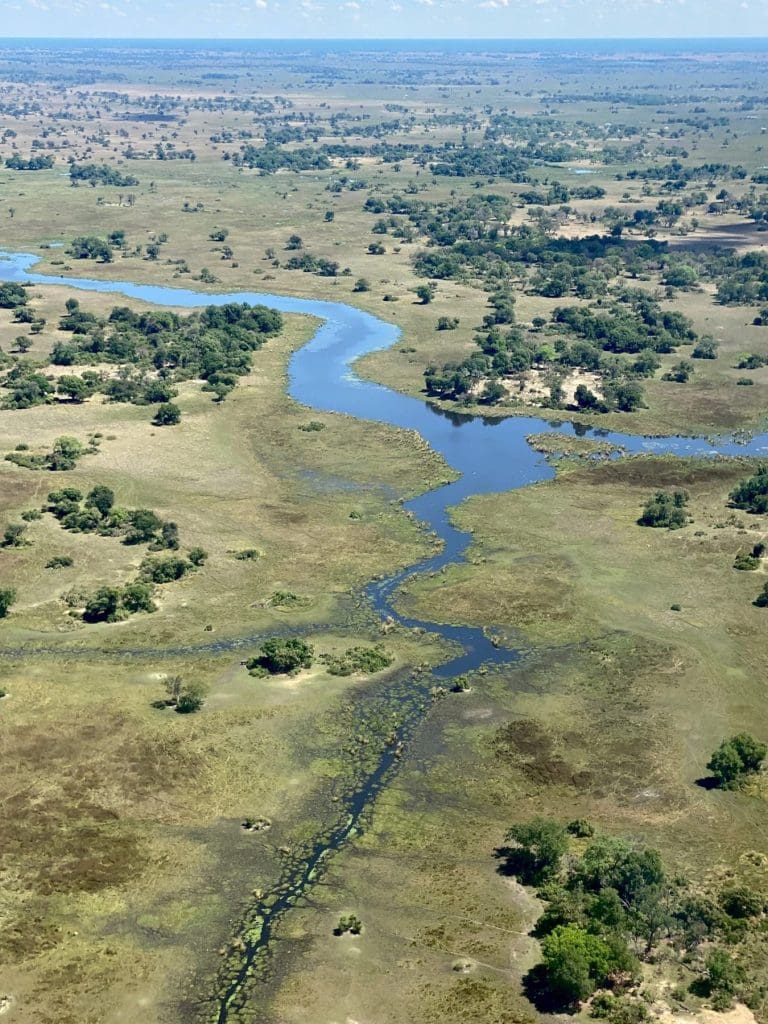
(611, 716)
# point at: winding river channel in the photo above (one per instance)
(490, 455)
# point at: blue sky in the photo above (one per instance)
(383, 18)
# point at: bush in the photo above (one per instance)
(198, 556)
(59, 562)
(580, 828)
(746, 562)
(164, 570)
(14, 535)
(190, 699)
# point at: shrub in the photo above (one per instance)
(164, 570)
(59, 562)
(348, 923)
(746, 562)
(197, 556)
(14, 535)
(191, 699)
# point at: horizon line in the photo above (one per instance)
(392, 39)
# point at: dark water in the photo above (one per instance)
(490, 455)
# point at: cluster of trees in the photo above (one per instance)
(601, 337)
(751, 495)
(156, 349)
(281, 656)
(97, 513)
(357, 659)
(100, 174)
(313, 264)
(667, 510)
(270, 158)
(89, 247)
(608, 909)
(34, 163)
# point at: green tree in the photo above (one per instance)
(576, 962)
(737, 758)
(7, 598)
(283, 654)
(137, 597)
(101, 498)
(167, 415)
(66, 452)
(74, 388)
(541, 845)
(425, 293)
(102, 606)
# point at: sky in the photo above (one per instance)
(333, 19)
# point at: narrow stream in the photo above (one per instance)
(491, 455)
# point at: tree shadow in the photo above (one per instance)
(514, 861)
(708, 782)
(536, 990)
